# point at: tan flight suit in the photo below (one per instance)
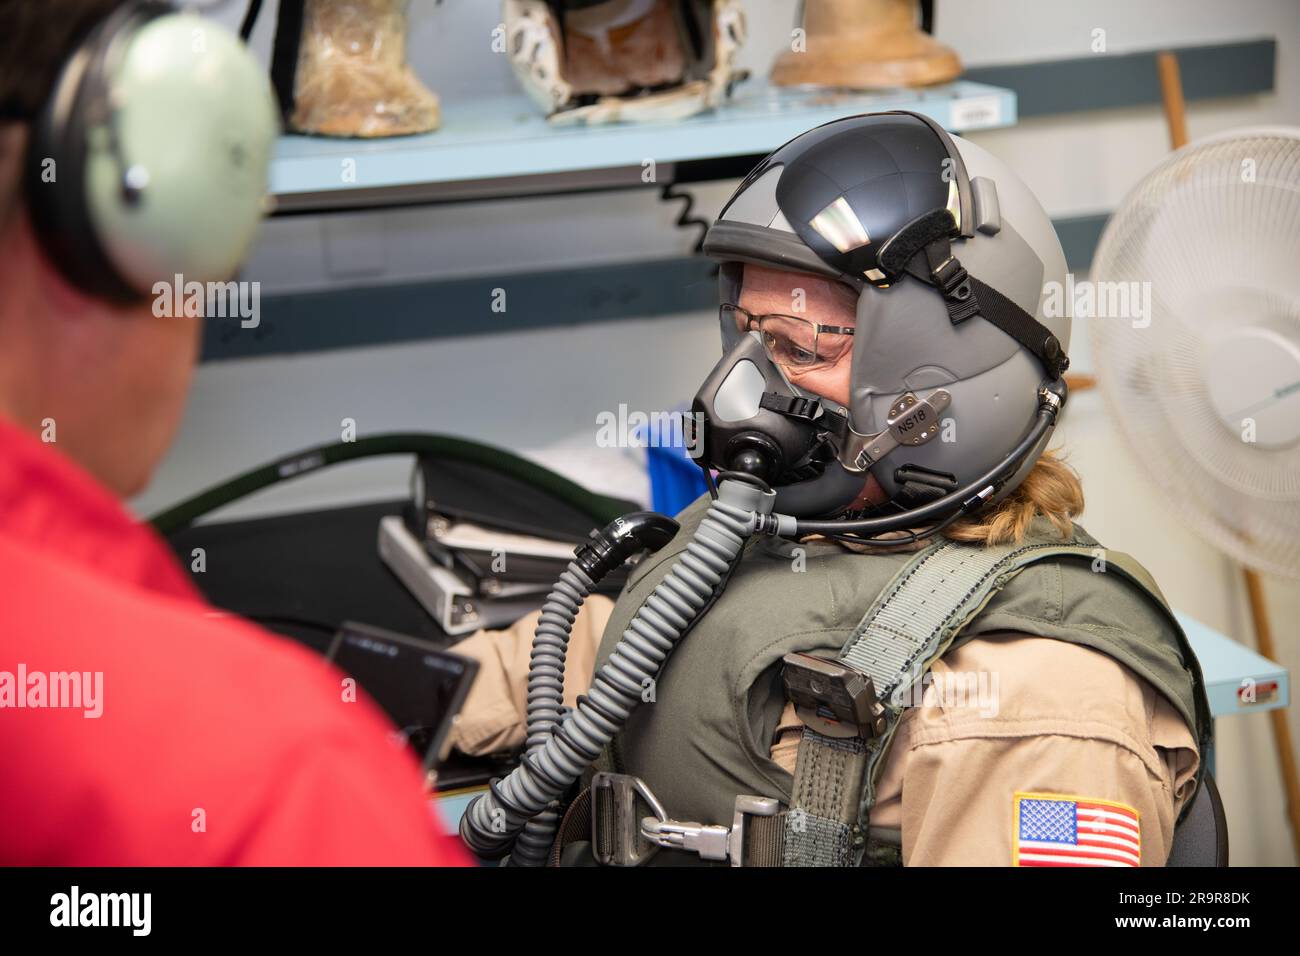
(946, 777)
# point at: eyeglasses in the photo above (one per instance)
(792, 341)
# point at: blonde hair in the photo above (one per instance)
(1052, 489)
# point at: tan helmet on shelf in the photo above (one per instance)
(864, 45)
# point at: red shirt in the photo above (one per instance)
(216, 742)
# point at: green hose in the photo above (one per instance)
(600, 508)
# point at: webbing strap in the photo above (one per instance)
(997, 309)
(984, 300)
(765, 841)
(908, 627)
(824, 802)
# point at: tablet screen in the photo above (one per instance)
(420, 687)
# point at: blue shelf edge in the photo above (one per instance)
(1231, 668)
(506, 137)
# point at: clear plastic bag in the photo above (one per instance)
(352, 78)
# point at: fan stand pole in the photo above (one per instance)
(1281, 729)
(1171, 89)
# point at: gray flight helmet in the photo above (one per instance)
(878, 202)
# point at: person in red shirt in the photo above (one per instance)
(139, 726)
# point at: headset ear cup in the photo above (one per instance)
(131, 100)
(196, 131)
(55, 177)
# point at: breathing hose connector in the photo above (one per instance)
(608, 548)
(557, 756)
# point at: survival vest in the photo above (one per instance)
(705, 739)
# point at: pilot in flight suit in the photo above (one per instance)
(1065, 724)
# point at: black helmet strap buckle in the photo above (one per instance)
(930, 236)
(792, 406)
(948, 276)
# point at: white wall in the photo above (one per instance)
(538, 392)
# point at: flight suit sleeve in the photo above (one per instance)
(1014, 727)
(495, 712)
(1055, 754)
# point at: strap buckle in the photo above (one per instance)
(615, 838)
(621, 835)
(832, 697)
(948, 277)
(791, 406)
(910, 421)
(748, 806)
(711, 842)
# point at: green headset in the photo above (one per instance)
(150, 156)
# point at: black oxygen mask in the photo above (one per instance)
(750, 420)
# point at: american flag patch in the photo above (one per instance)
(1056, 830)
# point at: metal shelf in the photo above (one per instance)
(1231, 669)
(503, 145)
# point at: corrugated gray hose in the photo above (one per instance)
(546, 698)
(553, 761)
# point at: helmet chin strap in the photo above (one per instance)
(923, 249)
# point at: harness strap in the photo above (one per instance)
(819, 826)
(765, 845)
(911, 624)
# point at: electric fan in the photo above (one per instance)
(1204, 378)
(1206, 385)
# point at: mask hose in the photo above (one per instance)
(554, 761)
(606, 550)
